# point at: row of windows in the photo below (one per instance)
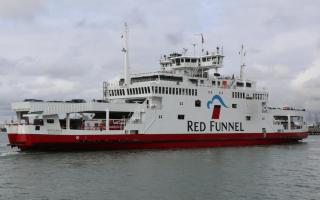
(155, 90)
(260, 96)
(174, 91)
(239, 95)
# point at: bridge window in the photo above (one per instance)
(187, 59)
(177, 61)
(156, 89)
(240, 84)
(50, 121)
(149, 90)
(193, 60)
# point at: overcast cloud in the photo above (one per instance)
(51, 49)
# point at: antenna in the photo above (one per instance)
(202, 42)
(242, 62)
(194, 49)
(126, 55)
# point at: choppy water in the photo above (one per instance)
(259, 172)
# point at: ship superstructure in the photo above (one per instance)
(187, 103)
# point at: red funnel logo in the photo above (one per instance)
(216, 108)
(216, 112)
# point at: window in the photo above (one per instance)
(167, 90)
(203, 59)
(50, 121)
(197, 103)
(248, 117)
(177, 61)
(193, 60)
(156, 89)
(201, 81)
(213, 83)
(192, 92)
(170, 91)
(180, 91)
(239, 84)
(196, 92)
(173, 91)
(234, 105)
(218, 83)
(181, 117)
(248, 84)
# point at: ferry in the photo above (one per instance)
(186, 104)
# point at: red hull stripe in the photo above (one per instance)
(134, 141)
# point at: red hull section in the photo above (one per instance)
(147, 141)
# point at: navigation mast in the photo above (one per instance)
(126, 55)
(242, 62)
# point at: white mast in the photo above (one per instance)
(242, 62)
(126, 55)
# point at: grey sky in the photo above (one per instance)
(54, 49)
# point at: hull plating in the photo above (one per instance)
(147, 141)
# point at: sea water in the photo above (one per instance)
(290, 171)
